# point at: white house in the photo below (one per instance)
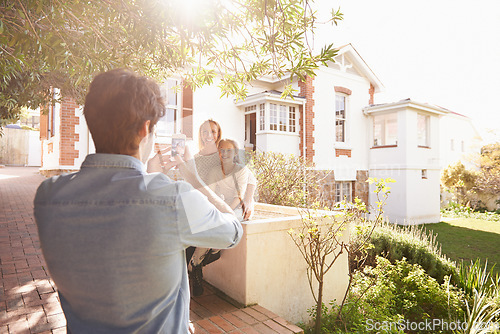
(459, 140)
(331, 120)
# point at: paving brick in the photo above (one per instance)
(193, 316)
(249, 330)
(57, 320)
(8, 317)
(36, 318)
(257, 315)
(19, 327)
(28, 297)
(264, 311)
(263, 329)
(245, 317)
(201, 311)
(284, 323)
(234, 320)
(277, 327)
(52, 308)
(223, 324)
(209, 326)
(198, 329)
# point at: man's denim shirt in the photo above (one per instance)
(114, 240)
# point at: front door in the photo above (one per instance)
(250, 128)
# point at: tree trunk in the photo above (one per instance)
(319, 308)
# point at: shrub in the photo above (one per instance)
(413, 243)
(285, 179)
(395, 293)
(455, 210)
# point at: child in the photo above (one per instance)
(233, 182)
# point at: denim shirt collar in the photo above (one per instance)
(104, 160)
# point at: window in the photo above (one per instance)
(343, 191)
(423, 130)
(283, 117)
(273, 121)
(249, 109)
(291, 119)
(385, 130)
(167, 125)
(340, 118)
(262, 116)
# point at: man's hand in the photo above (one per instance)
(161, 162)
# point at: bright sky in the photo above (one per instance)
(442, 52)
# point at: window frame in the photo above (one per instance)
(340, 185)
(280, 120)
(384, 120)
(343, 120)
(262, 117)
(171, 84)
(426, 135)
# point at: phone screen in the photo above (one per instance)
(178, 145)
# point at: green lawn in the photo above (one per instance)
(469, 239)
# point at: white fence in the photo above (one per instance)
(20, 147)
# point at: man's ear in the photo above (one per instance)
(144, 129)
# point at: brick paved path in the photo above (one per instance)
(28, 298)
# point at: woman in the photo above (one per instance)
(233, 182)
(205, 160)
(208, 157)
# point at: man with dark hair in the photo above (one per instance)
(114, 236)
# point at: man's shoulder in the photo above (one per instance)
(160, 180)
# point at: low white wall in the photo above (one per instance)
(35, 149)
(266, 268)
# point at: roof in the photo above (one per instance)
(355, 57)
(272, 95)
(362, 66)
(406, 103)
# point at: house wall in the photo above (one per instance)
(278, 142)
(65, 150)
(324, 120)
(208, 103)
(413, 199)
(466, 141)
(51, 144)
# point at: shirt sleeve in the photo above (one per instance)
(201, 224)
(251, 177)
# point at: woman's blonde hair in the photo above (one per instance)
(219, 134)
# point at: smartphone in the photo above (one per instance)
(178, 144)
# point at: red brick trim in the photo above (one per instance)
(307, 90)
(340, 151)
(187, 111)
(68, 138)
(340, 89)
(371, 91)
